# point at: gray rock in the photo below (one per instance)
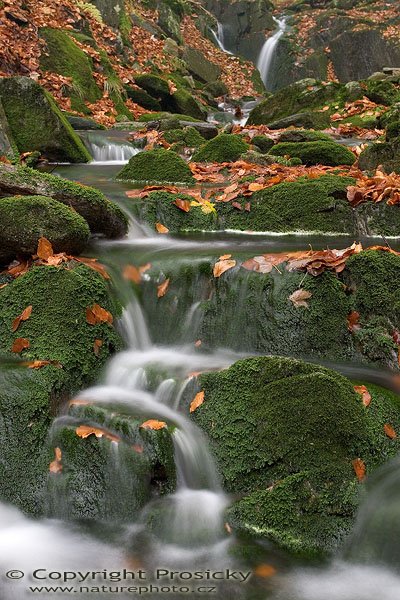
(354, 91)
(308, 120)
(200, 66)
(83, 123)
(378, 76)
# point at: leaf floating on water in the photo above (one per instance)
(162, 288)
(97, 344)
(96, 314)
(45, 249)
(300, 297)
(161, 228)
(353, 321)
(364, 393)
(225, 257)
(223, 265)
(390, 432)
(20, 344)
(132, 273)
(359, 468)
(24, 316)
(153, 424)
(197, 401)
(56, 466)
(265, 571)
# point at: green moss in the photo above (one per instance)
(223, 148)
(63, 56)
(382, 92)
(385, 154)
(102, 215)
(314, 153)
(184, 103)
(157, 116)
(189, 136)
(154, 85)
(25, 219)
(37, 124)
(263, 142)
(157, 166)
(303, 135)
(125, 26)
(141, 97)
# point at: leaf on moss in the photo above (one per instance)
(353, 321)
(153, 424)
(182, 204)
(359, 468)
(97, 344)
(223, 265)
(300, 297)
(161, 228)
(95, 314)
(84, 431)
(390, 432)
(364, 393)
(44, 249)
(20, 344)
(24, 316)
(197, 401)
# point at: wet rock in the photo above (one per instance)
(25, 219)
(37, 124)
(83, 123)
(200, 66)
(307, 119)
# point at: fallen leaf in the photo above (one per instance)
(299, 298)
(44, 249)
(225, 257)
(364, 393)
(161, 228)
(265, 571)
(390, 432)
(56, 466)
(223, 265)
(97, 344)
(353, 321)
(96, 314)
(162, 288)
(84, 431)
(20, 344)
(153, 424)
(132, 273)
(182, 204)
(24, 316)
(197, 401)
(359, 468)
(256, 187)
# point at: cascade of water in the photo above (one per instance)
(219, 36)
(268, 50)
(107, 150)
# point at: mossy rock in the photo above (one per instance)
(158, 165)
(63, 56)
(25, 219)
(102, 215)
(263, 143)
(223, 148)
(190, 137)
(316, 153)
(386, 155)
(285, 434)
(37, 124)
(143, 98)
(202, 68)
(306, 119)
(382, 92)
(184, 103)
(160, 116)
(216, 88)
(154, 85)
(303, 135)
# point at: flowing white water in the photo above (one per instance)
(264, 62)
(108, 150)
(220, 37)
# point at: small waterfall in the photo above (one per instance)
(268, 50)
(220, 37)
(106, 149)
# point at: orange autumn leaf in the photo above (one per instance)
(223, 265)
(265, 571)
(197, 401)
(56, 466)
(359, 468)
(20, 344)
(256, 187)
(353, 321)
(97, 344)
(93, 264)
(44, 249)
(225, 257)
(364, 393)
(161, 228)
(390, 432)
(182, 204)
(153, 424)
(24, 316)
(132, 273)
(84, 431)
(96, 314)
(162, 288)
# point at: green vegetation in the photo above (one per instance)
(24, 219)
(314, 153)
(223, 148)
(189, 136)
(263, 143)
(160, 165)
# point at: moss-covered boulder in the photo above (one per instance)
(184, 103)
(223, 148)
(62, 55)
(285, 434)
(200, 66)
(263, 143)
(303, 135)
(36, 123)
(157, 166)
(154, 85)
(382, 92)
(314, 153)
(143, 98)
(102, 215)
(189, 136)
(385, 155)
(25, 219)
(307, 119)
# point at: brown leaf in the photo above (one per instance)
(197, 401)
(24, 316)
(256, 187)
(93, 264)
(182, 204)
(359, 468)
(44, 249)
(299, 298)
(366, 396)
(96, 314)
(132, 273)
(56, 466)
(97, 344)
(84, 431)
(162, 288)
(353, 321)
(265, 571)
(20, 344)
(153, 424)
(223, 265)
(390, 432)
(161, 228)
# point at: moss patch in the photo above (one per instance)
(316, 153)
(223, 148)
(157, 166)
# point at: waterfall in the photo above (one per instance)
(107, 149)
(220, 37)
(268, 50)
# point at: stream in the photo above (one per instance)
(190, 540)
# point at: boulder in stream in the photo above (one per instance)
(223, 148)
(37, 124)
(157, 166)
(316, 153)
